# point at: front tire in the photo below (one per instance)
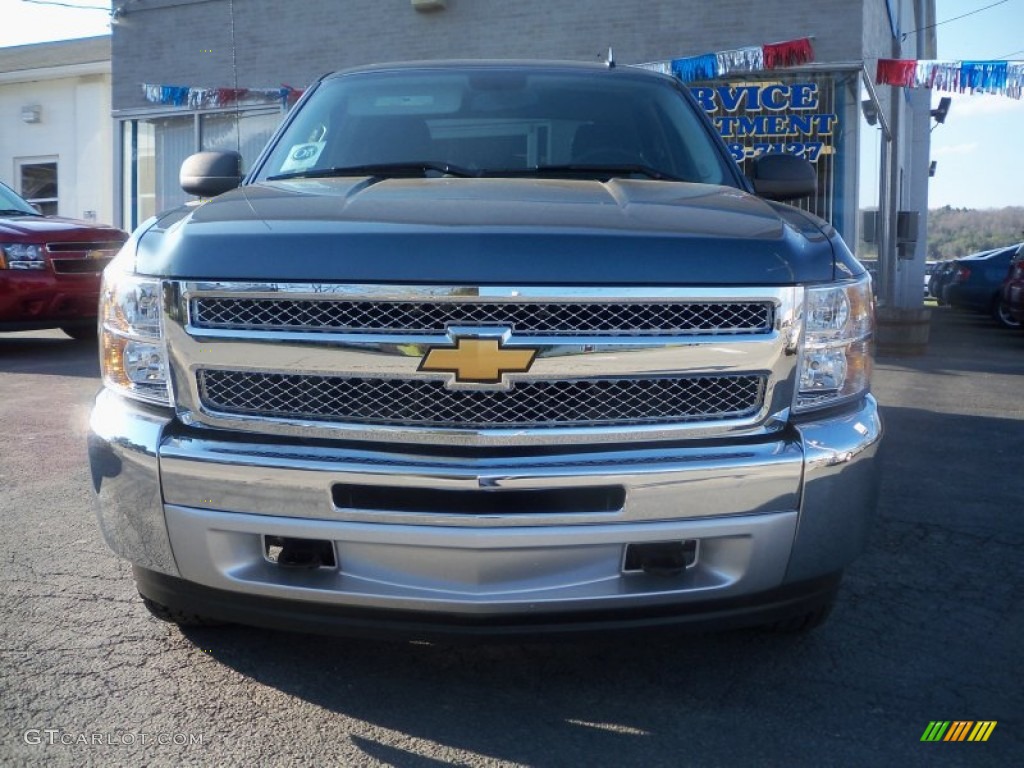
(175, 616)
(1002, 315)
(802, 623)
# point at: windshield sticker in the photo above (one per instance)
(302, 157)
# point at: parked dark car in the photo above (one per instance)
(940, 278)
(1013, 289)
(929, 269)
(50, 268)
(977, 285)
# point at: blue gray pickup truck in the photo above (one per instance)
(488, 349)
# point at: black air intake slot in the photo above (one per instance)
(289, 552)
(371, 498)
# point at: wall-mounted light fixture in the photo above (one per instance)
(931, 167)
(941, 111)
(870, 111)
(32, 114)
(428, 5)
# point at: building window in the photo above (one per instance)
(155, 147)
(38, 180)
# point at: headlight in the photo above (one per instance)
(835, 352)
(21, 256)
(133, 354)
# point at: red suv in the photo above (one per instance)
(50, 268)
(1013, 288)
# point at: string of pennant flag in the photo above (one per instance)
(995, 76)
(198, 98)
(755, 58)
(688, 69)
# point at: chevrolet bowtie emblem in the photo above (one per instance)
(478, 361)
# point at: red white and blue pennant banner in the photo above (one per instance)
(759, 58)
(199, 98)
(1002, 77)
(688, 69)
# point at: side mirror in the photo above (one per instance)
(208, 174)
(783, 177)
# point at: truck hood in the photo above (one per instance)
(489, 231)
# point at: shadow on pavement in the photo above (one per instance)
(964, 342)
(48, 353)
(636, 702)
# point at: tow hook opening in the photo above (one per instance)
(660, 558)
(289, 552)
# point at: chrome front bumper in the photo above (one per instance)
(768, 511)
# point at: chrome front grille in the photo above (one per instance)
(523, 318)
(424, 402)
(610, 364)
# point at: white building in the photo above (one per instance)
(56, 136)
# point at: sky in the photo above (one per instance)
(977, 150)
(979, 163)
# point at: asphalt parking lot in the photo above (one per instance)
(929, 625)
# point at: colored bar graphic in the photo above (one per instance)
(982, 730)
(958, 730)
(935, 731)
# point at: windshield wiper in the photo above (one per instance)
(577, 169)
(18, 212)
(380, 170)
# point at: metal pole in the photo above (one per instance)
(890, 255)
(882, 226)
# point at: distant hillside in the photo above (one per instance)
(956, 232)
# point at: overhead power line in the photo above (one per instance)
(69, 5)
(955, 18)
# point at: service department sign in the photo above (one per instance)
(770, 117)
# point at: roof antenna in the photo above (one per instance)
(611, 58)
(234, 77)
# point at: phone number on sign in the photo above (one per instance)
(811, 150)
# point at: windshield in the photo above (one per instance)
(11, 203)
(495, 122)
